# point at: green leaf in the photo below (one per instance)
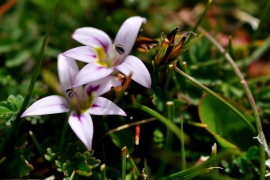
(9, 109)
(224, 124)
(17, 163)
(158, 138)
(124, 137)
(76, 158)
(248, 163)
(51, 154)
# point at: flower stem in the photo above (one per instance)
(174, 77)
(170, 106)
(103, 172)
(262, 21)
(62, 140)
(155, 74)
(133, 165)
(183, 153)
(146, 169)
(168, 140)
(168, 78)
(40, 150)
(127, 126)
(124, 162)
(175, 129)
(37, 144)
(72, 175)
(195, 82)
(208, 163)
(202, 16)
(230, 46)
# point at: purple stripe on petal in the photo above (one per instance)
(95, 106)
(99, 67)
(77, 116)
(105, 46)
(90, 89)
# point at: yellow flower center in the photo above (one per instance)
(82, 106)
(102, 58)
(87, 103)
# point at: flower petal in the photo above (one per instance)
(103, 106)
(82, 125)
(91, 72)
(128, 33)
(140, 73)
(83, 53)
(48, 105)
(102, 86)
(67, 71)
(92, 37)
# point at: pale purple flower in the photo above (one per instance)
(86, 101)
(104, 57)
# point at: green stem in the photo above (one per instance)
(202, 16)
(119, 96)
(133, 174)
(124, 162)
(170, 106)
(36, 144)
(214, 153)
(146, 169)
(199, 172)
(103, 172)
(183, 153)
(168, 140)
(72, 175)
(262, 21)
(177, 84)
(208, 163)
(168, 78)
(175, 129)
(40, 149)
(133, 165)
(154, 74)
(62, 140)
(239, 114)
(230, 46)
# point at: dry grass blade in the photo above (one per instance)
(127, 126)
